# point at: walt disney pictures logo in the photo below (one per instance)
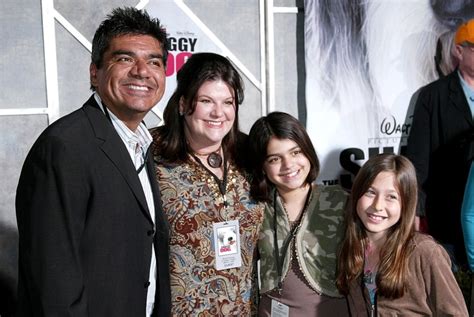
(389, 126)
(391, 135)
(391, 132)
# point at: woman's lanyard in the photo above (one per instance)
(289, 237)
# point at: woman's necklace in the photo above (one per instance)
(221, 184)
(214, 159)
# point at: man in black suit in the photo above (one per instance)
(439, 142)
(93, 239)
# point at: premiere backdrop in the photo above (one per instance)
(44, 73)
(364, 60)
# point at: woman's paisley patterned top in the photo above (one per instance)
(192, 202)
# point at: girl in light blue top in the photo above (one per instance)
(467, 218)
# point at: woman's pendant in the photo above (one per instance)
(214, 160)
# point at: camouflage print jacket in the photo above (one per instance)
(317, 240)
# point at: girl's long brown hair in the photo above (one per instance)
(392, 274)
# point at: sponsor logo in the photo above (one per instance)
(390, 126)
(393, 135)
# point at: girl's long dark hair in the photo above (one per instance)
(281, 126)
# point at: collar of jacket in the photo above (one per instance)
(317, 240)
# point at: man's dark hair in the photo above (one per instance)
(126, 21)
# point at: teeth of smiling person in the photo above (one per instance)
(291, 174)
(216, 123)
(142, 88)
(375, 217)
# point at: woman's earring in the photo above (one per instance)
(181, 106)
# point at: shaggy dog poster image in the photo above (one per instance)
(365, 60)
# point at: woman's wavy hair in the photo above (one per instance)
(281, 126)
(169, 140)
(392, 273)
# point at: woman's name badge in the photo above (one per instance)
(227, 244)
(279, 309)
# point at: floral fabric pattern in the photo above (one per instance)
(193, 203)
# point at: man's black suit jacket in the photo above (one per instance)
(86, 234)
(439, 146)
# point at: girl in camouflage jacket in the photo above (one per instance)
(303, 222)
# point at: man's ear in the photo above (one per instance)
(93, 74)
(458, 52)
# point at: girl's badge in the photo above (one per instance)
(279, 309)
